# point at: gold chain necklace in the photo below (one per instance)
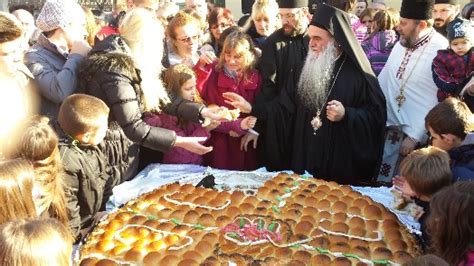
(316, 122)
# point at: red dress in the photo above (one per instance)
(226, 153)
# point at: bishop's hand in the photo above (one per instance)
(335, 111)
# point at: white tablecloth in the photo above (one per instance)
(156, 175)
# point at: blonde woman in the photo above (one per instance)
(124, 71)
(16, 188)
(263, 21)
(35, 242)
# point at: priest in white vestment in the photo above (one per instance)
(407, 83)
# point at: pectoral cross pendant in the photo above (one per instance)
(316, 123)
(400, 100)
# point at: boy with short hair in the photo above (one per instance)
(84, 122)
(423, 173)
(450, 124)
(453, 67)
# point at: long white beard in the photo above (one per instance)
(315, 77)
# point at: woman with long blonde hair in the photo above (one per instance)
(38, 143)
(35, 242)
(124, 71)
(16, 190)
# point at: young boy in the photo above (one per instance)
(84, 121)
(423, 173)
(450, 124)
(453, 68)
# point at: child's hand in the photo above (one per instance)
(400, 184)
(248, 122)
(207, 58)
(212, 125)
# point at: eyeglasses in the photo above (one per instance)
(189, 39)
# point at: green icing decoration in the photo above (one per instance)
(233, 235)
(241, 222)
(276, 209)
(287, 190)
(151, 217)
(175, 221)
(295, 183)
(198, 226)
(271, 226)
(295, 246)
(349, 255)
(381, 262)
(278, 198)
(260, 224)
(322, 251)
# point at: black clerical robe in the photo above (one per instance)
(281, 55)
(347, 151)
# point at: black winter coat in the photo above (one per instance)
(85, 178)
(109, 74)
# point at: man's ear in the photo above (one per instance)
(422, 24)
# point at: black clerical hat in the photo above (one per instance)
(292, 3)
(417, 9)
(337, 23)
(452, 2)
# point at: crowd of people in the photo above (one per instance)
(354, 92)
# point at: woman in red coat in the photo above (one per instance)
(234, 71)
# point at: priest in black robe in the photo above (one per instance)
(337, 109)
(282, 53)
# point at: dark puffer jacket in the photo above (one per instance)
(85, 177)
(109, 74)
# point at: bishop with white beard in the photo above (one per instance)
(337, 110)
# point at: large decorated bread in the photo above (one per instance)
(291, 220)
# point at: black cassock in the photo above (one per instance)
(347, 151)
(281, 55)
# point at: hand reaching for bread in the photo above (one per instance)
(400, 184)
(220, 113)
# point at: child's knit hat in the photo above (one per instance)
(460, 28)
